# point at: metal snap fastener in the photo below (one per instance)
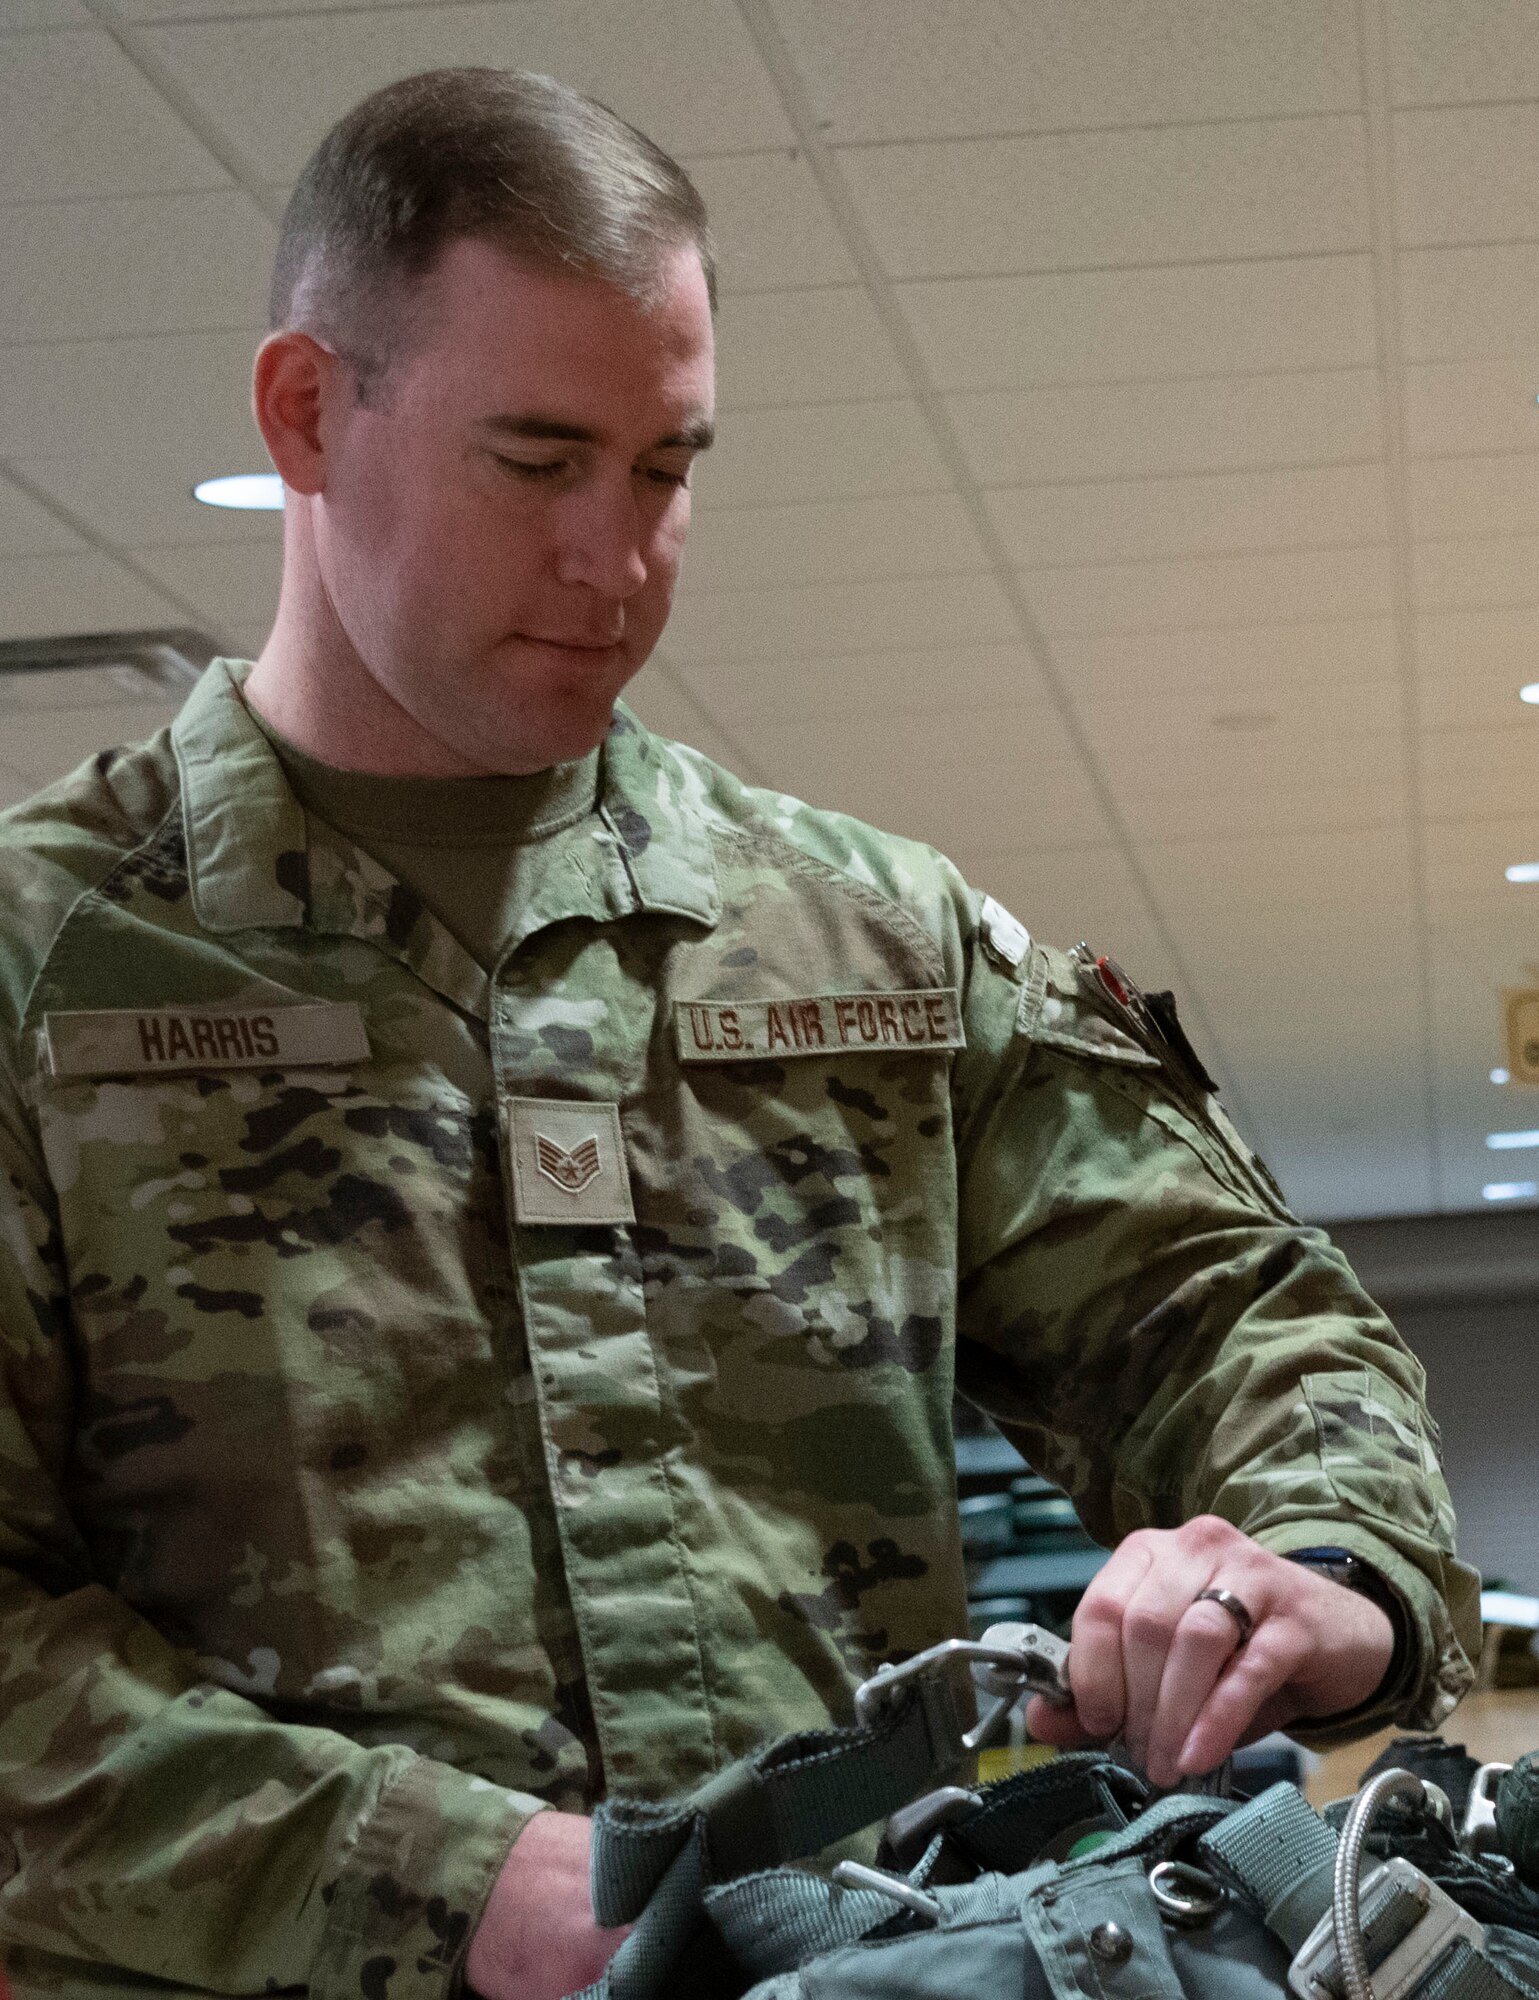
(1111, 1944)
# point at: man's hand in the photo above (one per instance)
(537, 1939)
(1170, 1677)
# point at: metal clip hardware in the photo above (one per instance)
(1478, 1833)
(1401, 1905)
(856, 1875)
(1010, 1661)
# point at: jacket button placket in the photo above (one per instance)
(610, 1430)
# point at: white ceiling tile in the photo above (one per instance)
(231, 585)
(883, 69)
(18, 16)
(1457, 51)
(1162, 758)
(1462, 304)
(666, 705)
(820, 346)
(26, 529)
(80, 120)
(144, 264)
(835, 618)
(1137, 430)
(1069, 200)
(1224, 513)
(1098, 326)
(1465, 859)
(772, 227)
(835, 451)
(837, 541)
(1354, 800)
(1202, 720)
(49, 743)
(1463, 408)
(1484, 772)
(1466, 176)
(1211, 590)
(177, 392)
(1486, 698)
(1494, 495)
(42, 596)
(1286, 883)
(1477, 570)
(1462, 648)
(15, 786)
(143, 498)
(688, 76)
(1067, 894)
(963, 781)
(1239, 667)
(852, 687)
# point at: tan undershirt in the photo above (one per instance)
(462, 844)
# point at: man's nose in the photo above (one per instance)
(600, 541)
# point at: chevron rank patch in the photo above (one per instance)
(568, 1162)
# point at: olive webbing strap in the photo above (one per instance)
(653, 1863)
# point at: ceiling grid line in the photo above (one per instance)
(135, 47)
(792, 89)
(1373, 33)
(67, 518)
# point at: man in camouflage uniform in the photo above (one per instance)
(480, 1309)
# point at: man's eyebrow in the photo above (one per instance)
(699, 434)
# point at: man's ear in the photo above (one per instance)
(295, 384)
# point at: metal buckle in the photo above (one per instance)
(1009, 1661)
(1316, 1974)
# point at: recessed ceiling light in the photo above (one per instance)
(1523, 871)
(1530, 693)
(1501, 1076)
(242, 489)
(1511, 1142)
(1509, 1190)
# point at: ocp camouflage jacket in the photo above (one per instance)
(425, 1396)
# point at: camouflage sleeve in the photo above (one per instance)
(1162, 1337)
(161, 1824)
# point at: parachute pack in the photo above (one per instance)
(1069, 1881)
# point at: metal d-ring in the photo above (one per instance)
(1186, 1895)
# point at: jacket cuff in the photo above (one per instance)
(1443, 1624)
(411, 1893)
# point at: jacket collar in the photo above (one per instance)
(257, 861)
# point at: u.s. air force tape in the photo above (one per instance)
(131, 1041)
(823, 1024)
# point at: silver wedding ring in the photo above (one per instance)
(1230, 1603)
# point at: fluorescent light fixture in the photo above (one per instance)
(1530, 693)
(1523, 871)
(262, 490)
(1509, 1190)
(1501, 1076)
(1511, 1142)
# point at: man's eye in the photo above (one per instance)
(665, 478)
(533, 469)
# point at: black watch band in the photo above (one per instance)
(1352, 1573)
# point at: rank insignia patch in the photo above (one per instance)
(568, 1162)
(570, 1171)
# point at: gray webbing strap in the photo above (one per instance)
(793, 1799)
(771, 1922)
(1281, 1853)
(653, 1863)
(1464, 1974)
(1168, 1820)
